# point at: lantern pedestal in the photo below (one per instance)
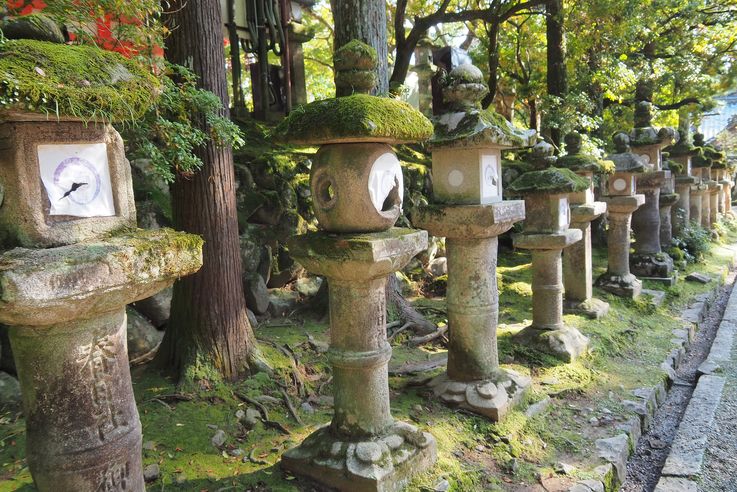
(547, 332)
(681, 212)
(714, 191)
(363, 449)
(617, 279)
(474, 380)
(577, 270)
(667, 200)
(66, 311)
(698, 192)
(648, 262)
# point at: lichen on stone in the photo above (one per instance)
(552, 180)
(478, 128)
(85, 82)
(356, 118)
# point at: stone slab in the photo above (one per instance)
(469, 221)
(592, 308)
(616, 451)
(687, 451)
(658, 296)
(672, 484)
(624, 204)
(667, 281)
(357, 256)
(42, 287)
(566, 344)
(547, 241)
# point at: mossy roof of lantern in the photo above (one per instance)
(641, 137)
(552, 180)
(701, 160)
(674, 166)
(584, 162)
(356, 118)
(77, 81)
(477, 128)
(627, 162)
(683, 147)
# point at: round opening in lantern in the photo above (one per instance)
(385, 184)
(619, 184)
(326, 196)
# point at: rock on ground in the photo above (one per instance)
(143, 337)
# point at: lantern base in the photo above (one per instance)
(623, 286)
(565, 343)
(657, 267)
(590, 308)
(492, 397)
(383, 463)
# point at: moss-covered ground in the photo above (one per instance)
(520, 453)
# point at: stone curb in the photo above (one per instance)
(687, 451)
(615, 451)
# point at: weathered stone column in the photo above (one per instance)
(714, 191)
(66, 310)
(357, 185)
(469, 212)
(668, 198)
(622, 201)
(546, 232)
(649, 261)
(577, 263)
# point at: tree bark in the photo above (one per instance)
(364, 20)
(209, 327)
(492, 30)
(556, 57)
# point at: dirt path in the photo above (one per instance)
(643, 469)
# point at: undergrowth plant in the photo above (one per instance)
(693, 242)
(171, 132)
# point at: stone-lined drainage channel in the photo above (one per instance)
(645, 465)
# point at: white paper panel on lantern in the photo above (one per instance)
(564, 213)
(77, 179)
(489, 178)
(386, 173)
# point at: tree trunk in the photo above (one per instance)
(556, 57)
(364, 20)
(492, 30)
(400, 309)
(209, 327)
(533, 114)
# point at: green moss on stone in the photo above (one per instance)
(583, 162)
(551, 180)
(355, 55)
(477, 127)
(674, 166)
(74, 81)
(33, 26)
(356, 118)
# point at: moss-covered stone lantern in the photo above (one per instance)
(546, 233)
(701, 167)
(356, 182)
(622, 200)
(577, 263)
(648, 260)
(686, 185)
(668, 198)
(467, 141)
(78, 259)
(719, 174)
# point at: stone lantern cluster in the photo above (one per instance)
(577, 261)
(546, 233)
(622, 201)
(357, 186)
(649, 261)
(469, 212)
(67, 210)
(701, 165)
(686, 184)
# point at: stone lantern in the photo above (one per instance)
(702, 167)
(546, 233)
(68, 211)
(680, 156)
(622, 200)
(719, 174)
(356, 182)
(649, 261)
(469, 212)
(668, 198)
(577, 265)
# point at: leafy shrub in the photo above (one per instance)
(693, 242)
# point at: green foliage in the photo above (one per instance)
(574, 112)
(694, 242)
(171, 132)
(78, 81)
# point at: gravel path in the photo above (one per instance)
(719, 471)
(643, 469)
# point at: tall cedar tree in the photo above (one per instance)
(557, 76)
(209, 326)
